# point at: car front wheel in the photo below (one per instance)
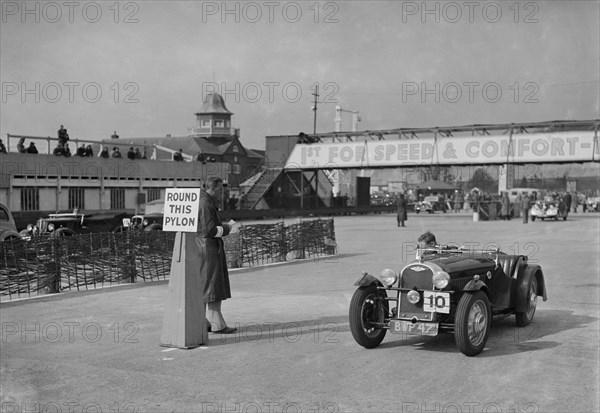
(472, 323)
(525, 317)
(368, 308)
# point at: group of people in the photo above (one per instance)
(22, 149)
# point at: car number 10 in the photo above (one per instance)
(436, 302)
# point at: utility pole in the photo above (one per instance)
(314, 108)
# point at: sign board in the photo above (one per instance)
(181, 209)
(547, 147)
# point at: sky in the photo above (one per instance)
(143, 68)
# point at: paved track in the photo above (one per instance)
(99, 351)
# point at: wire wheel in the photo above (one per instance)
(472, 323)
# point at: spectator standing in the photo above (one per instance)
(131, 153)
(116, 153)
(575, 202)
(2, 147)
(89, 151)
(525, 206)
(138, 154)
(67, 150)
(32, 148)
(63, 136)
(505, 207)
(517, 205)
(568, 200)
(81, 150)
(104, 153)
(401, 215)
(21, 146)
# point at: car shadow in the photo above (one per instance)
(505, 337)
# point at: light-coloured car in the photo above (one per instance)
(8, 229)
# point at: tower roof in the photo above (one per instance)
(214, 103)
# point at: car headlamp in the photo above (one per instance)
(388, 277)
(29, 227)
(145, 223)
(440, 279)
(413, 296)
(50, 227)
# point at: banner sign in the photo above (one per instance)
(181, 209)
(579, 146)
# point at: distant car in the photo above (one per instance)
(152, 222)
(8, 229)
(593, 204)
(431, 204)
(424, 206)
(456, 290)
(71, 223)
(549, 208)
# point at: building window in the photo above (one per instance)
(76, 198)
(218, 123)
(30, 199)
(205, 123)
(235, 149)
(237, 168)
(153, 194)
(117, 198)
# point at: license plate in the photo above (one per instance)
(408, 327)
(126, 222)
(436, 302)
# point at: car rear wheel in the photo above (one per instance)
(525, 317)
(472, 323)
(367, 308)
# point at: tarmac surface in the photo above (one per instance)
(99, 351)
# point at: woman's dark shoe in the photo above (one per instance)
(226, 330)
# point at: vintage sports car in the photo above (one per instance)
(71, 223)
(550, 208)
(444, 289)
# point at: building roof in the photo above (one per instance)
(214, 103)
(189, 145)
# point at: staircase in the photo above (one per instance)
(260, 187)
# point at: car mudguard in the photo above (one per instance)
(520, 287)
(367, 280)
(476, 286)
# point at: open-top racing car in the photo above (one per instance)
(444, 289)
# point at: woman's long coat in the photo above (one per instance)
(213, 264)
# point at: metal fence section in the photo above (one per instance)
(48, 265)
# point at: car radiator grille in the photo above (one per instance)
(411, 279)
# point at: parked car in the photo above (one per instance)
(550, 207)
(457, 291)
(141, 223)
(150, 220)
(71, 223)
(8, 229)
